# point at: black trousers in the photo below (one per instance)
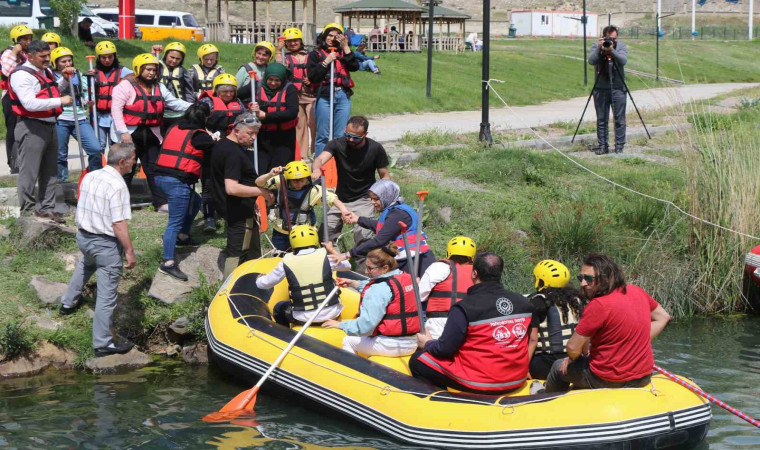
(243, 239)
(579, 374)
(147, 147)
(11, 150)
(541, 364)
(421, 370)
(604, 100)
(276, 148)
(206, 195)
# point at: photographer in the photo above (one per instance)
(609, 93)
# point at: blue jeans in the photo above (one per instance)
(342, 112)
(90, 145)
(280, 241)
(184, 204)
(368, 64)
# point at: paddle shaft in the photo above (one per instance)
(418, 254)
(91, 86)
(74, 107)
(284, 200)
(332, 97)
(325, 232)
(414, 278)
(704, 394)
(252, 74)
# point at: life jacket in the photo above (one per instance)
(309, 286)
(81, 99)
(104, 85)
(147, 109)
(298, 70)
(494, 355)
(275, 104)
(20, 59)
(223, 114)
(206, 79)
(48, 90)
(400, 317)
(553, 327)
(177, 152)
(342, 76)
(249, 66)
(301, 212)
(173, 79)
(411, 232)
(450, 291)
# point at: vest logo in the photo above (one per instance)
(519, 331)
(501, 334)
(408, 288)
(504, 306)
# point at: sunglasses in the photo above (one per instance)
(587, 278)
(353, 137)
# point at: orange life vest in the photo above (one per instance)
(401, 317)
(223, 114)
(450, 291)
(48, 90)
(104, 85)
(147, 109)
(177, 152)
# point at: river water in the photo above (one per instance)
(161, 406)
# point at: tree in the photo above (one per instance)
(68, 13)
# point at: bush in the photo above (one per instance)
(642, 215)
(567, 234)
(15, 339)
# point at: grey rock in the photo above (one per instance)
(521, 234)
(445, 214)
(180, 325)
(195, 354)
(404, 159)
(49, 292)
(170, 290)
(4, 232)
(44, 356)
(43, 322)
(114, 363)
(173, 350)
(34, 229)
(89, 313)
(70, 260)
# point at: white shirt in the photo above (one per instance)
(103, 200)
(435, 273)
(26, 87)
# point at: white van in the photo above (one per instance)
(29, 12)
(158, 24)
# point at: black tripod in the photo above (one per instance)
(611, 68)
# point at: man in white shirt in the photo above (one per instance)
(103, 210)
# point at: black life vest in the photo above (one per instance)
(104, 85)
(275, 104)
(147, 109)
(554, 332)
(308, 285)
(174, 79)
(177, 152)
(48, 90)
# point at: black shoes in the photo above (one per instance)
(209, 225)
(172, 271)
(65, 311)
(601, 150)
(114, 349)
(55, 217)
(186, 242)
(619, 149)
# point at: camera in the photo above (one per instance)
(608, 42)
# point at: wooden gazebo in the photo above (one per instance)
(259, 30)
(388, 11)
(446, 16)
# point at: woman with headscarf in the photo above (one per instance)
(386, 197)
(277, 107)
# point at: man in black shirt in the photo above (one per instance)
(357, 158)
(234, 190)
(84, 33)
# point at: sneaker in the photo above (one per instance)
(114, 349)
(536, 387)
(601, 150)
(67, 310)
(186, 242)
(163, 209)
(172, 271)
(209, 225)
(52, 216)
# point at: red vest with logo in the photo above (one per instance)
(104, 85)
(48, 89)
(411, 232)
(298, 69)
(401, 317)
(494, 355)
(177, 152)
(275, 104)
(20, 59)
(342, 76)
(147, 109)
(223, 114)
(450, 291)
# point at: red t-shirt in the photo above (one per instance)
(619, 326)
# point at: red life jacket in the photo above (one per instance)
(104, 85)
(275, 104)
(48, 89)
(401, 317)
(411, 232)
(298, 69)
(223, 114)
(147, 109)
(177, 152)
(342, 76)
(450, 291)
(20, 59)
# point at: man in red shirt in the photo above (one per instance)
(619, 323)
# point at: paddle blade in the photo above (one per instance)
(242, 404)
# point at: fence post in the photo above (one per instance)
(637, 32)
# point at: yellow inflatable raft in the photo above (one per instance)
(380, 393)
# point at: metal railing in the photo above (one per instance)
(251, 32)
(703, 33)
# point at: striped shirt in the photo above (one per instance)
(103, 200)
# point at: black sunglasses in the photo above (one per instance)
(588, 278)
(353, 137)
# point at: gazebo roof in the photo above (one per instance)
(379, 5)
(439, 12)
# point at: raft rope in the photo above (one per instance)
(489, 86)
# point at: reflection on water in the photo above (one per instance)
(161, 407)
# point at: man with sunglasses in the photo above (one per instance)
(357, 159)
(619, 324)
(610, 88)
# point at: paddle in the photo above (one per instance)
(244, 402)
(409, 260)
(284, 200)
(416, 271)
(252, 74)
(704, 394)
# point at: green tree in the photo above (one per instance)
(68, 12)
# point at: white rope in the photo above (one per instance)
(626, 188)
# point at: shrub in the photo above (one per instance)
(15, 339)
(567, 234)
(641, 215)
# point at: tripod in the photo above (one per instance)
(611, 68)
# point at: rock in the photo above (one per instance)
(113, 363)
(173, 350)
(204, 258)
(44, 356)
(445, 214)
(33, 230)
(521, 234)
(4, 232)
(180, 325)
(404, 159)
(195, 354)
(89, 313)
(43, 323)
(70, 260)
(49, 292)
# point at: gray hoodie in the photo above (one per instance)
(619, 55)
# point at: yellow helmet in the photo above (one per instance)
(295, 170)
(20, 31)
(267, 45)
(302, 236)
(176, 46)
(143, 59)
(224, 79)
(59, 52)
(550, 273)
(105, 48)
(333, 25)
(461, 246)
(51, 37)
(292, 33)
(206, 49)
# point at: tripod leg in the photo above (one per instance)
(633, 102)
(593, 88)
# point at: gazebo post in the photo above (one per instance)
(205, 10)
(227, 33)
(388, 34)
(305, 14)
(314, 13)
(266, 31)
(292, 10)
(253, 23)
(218, 10)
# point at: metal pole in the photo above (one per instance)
(584, 19)
(693, 19)
(751, 11)
(431, 16)
(657, 44)
(485, 125)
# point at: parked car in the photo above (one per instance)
(156, 25)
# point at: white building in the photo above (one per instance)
(536, 22)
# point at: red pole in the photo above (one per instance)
(126, 19)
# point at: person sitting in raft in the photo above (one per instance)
(484, 345)
(445, 283)
(558, 309)
(387, 321)
(385, 196)
(307, 287)
(302, 197)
